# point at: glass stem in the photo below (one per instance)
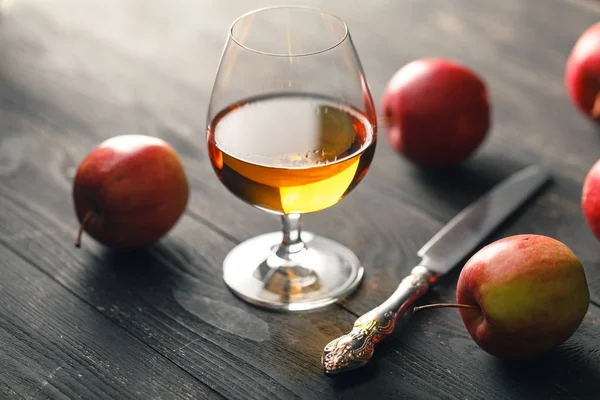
(292, 241)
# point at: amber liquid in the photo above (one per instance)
(291, 154)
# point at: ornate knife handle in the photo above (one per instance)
(356, 348)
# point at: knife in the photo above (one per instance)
(439, 255)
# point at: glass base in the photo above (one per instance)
(318, 275)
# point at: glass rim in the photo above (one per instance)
(257, 10)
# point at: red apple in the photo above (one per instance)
(529, 294)
(590, 199)
(582, 74)
(436, 112)
(129, 191)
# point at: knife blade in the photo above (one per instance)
(456, 240)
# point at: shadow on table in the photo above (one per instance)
(568, 372)
(346, 381)
(153, 270)
(360, 376)
(141, 266)
(464, 183)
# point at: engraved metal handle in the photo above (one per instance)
(356, 348)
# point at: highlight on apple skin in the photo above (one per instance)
(436, 112)
(530, 295)
(129, 191)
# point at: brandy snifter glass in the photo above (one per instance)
(291, 130)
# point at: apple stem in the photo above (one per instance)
(84, 221)
(444, 305)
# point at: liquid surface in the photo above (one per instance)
(290, 154)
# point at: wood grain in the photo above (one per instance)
(73, 73)
(436, 349)
(7, 393)
(440, 196)
(140, 292)
(144, 293)
(81, 108)
(155, 293)
(55, 346)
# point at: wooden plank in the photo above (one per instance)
(134, 290)
(386, 242)
(7, 393)
(43, 218)
(168, 296)
(171, 296)
(436, 349)
(71, 82)
(76, 107)
(54, 345)
(434, 195)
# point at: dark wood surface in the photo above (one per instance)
(159, 322)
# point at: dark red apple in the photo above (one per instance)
(529, 294)
(582, 74)
(436, 112)
(590, 199)
(129, 191)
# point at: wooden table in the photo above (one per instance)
(160, 323)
